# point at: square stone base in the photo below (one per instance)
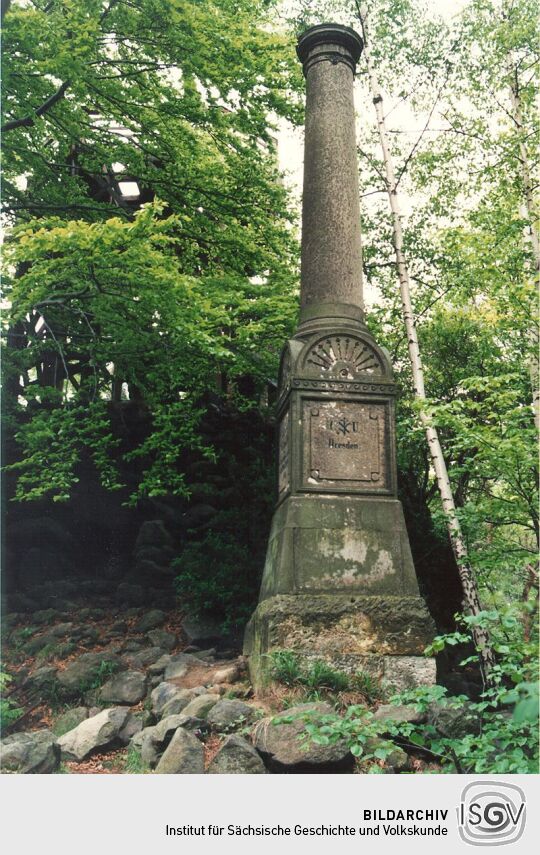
(382, 636)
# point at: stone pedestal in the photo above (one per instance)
(339, 581)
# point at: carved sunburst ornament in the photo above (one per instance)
(343, 356)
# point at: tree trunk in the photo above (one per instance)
(471, 600)
(528, 212)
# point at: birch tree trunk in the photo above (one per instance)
(471, 600)
(528, 212)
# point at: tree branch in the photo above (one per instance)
(28, 121)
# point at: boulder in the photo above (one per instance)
(228, 674)
(286, 751)
(41, 679)
(145, 657)
(165, 693)
(200, 631)
(183, 756)
(99, 732)
(159, 667)
(151, 620)
(164, 731)
(236, 757)
(229, 714)
(399, 714)
(30, 753)
(86, 670)
(128, 687)
(69, 720)
(201, 706)
(177, 703)
(454, 721)
(162, 638)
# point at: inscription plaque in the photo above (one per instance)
(345, 444)
(283, 459)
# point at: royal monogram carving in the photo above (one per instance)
(345, 357)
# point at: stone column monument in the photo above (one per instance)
(339, 582)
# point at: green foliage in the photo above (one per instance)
(134, 764)
(315, 675)
(161, 306)
(10, 712)
(214, 576)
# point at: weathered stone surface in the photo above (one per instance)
(229, 674)
(30, 753)
(162, 638)
(163, 732)
(236, 757)
(384, 636)
(132, 726)
(69, 720)
(399, 714)
(285, 751)
(177, 703)
(165, 693)
(159, 667)
(175, 670)
(200, 631)
(83, 671)
(100, 731)
(147, 656)
(228, 714)
(128, 687)
(184, 755)
(201, 706)
(454, 722)
(151, 620)
(41, 678)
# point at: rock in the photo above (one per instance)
(205, 655)
(153, 533)
(236, 757)
(396, 761)
(201, 706)
(399, 714)
(133, 645)
(131, 594)
(184, 755)
(44, 616)
(138, 661)
(456, 721)
(175, 670)
(132, 726)
(119, 627)
(198, 516)
(230, 674)
(148, 749)
(285, 751)
(61, 629)
(30, 753)
(200, 631)
(163, 639)
(100, 731)
(41, 678)
(69, 720)
(177, 703)
(163, 732)
(228, 714)
(150, 620)
(159, 666)
(34, 645)
(163, 695)
(83, 672)
(128, 687)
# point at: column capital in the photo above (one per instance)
(331, 42)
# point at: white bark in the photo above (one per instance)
(528, 212)
(471, 601)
